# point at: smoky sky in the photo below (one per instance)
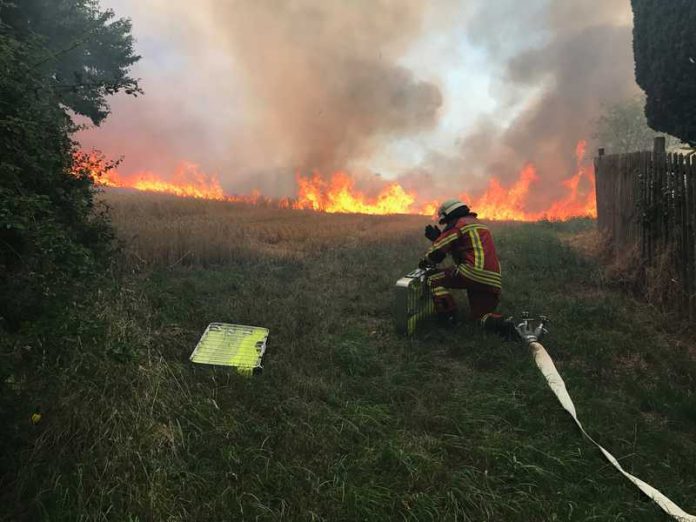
(257, 90)
(324, 74)
(566, 61)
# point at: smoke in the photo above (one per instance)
(585, 65)
(560, 62)
(256, 90)
(309, 85)
(324, 77)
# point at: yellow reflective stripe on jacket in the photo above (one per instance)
(473, 226)
(444, 241)
(436, 277)
(439, 243)
(485, 277)
(478, 249)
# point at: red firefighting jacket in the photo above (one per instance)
(470, 244)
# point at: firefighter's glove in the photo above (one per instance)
(425, 264)
(432, 233)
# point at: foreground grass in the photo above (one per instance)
(350, 421)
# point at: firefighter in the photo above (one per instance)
(476, 267)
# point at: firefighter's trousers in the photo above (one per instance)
(483, 299)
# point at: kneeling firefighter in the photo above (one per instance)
(476, 267)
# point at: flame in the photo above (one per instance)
(509, 203)
(503, 203)
(580, 150)
(337, 192)
(577, 203)
(188, 181)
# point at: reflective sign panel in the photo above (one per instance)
(236, 345)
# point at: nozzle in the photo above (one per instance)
(531, 330)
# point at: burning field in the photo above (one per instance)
(189, 219)
(338, 193)
(397, 88)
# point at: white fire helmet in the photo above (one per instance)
(448, 206)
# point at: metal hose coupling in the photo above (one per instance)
(531, 330)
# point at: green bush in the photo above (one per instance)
(57, 58)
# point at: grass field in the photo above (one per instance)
(348, 421)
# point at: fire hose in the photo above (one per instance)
(413, 303)
(531, 335)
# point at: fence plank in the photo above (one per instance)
(689, 238)
(679, 226)
(648, 199)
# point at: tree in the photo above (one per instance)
(664, 45)
(622, 127)
(83, 53)
(56, 57)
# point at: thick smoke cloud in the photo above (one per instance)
(324, 77)
(258, 89)
(310, 85)
(561, 63)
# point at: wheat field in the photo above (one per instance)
(161, 230)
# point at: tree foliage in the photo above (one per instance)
(57, 57)
(83, 53)
(664, 44)
(622, 127)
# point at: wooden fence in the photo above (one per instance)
(647, 201)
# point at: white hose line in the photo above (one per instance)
(555, 382)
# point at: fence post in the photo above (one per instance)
(659, 145)
(599, 192)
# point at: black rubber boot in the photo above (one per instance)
(448, 319)
(502, 326)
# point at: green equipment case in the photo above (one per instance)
(413, 302)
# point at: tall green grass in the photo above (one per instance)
(349, 421)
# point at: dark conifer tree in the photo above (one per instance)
(664, 44)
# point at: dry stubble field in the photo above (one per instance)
(167, 231)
